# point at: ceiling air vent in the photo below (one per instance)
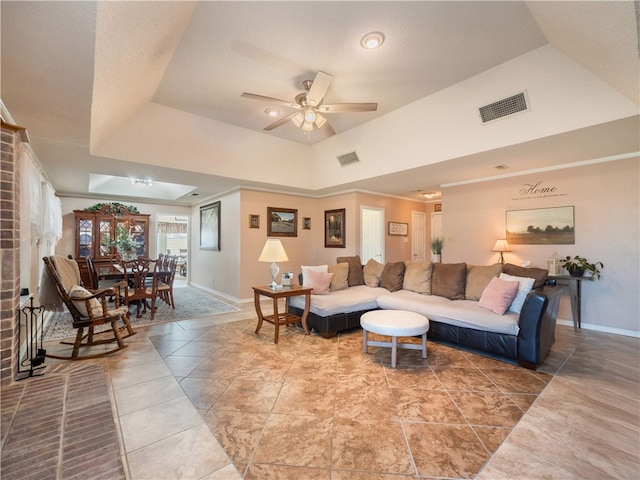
(348, 158)
(502, 108)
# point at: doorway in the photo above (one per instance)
(172, 238)
(418, 236)
(372, 234)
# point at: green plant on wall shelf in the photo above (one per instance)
(578, 265)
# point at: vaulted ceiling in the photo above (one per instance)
(153, 90)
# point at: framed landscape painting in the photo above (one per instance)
(210, 227)
(541, 226)
(282, 222)
(334, 225)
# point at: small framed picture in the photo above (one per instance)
(306, 223)
(398, 228)
(254, 221)
(334, 228)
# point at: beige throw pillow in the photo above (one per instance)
(79, 295)
(372, 272)
(478, 277)
(340, 276)
(417, 277)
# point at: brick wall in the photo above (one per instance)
(9, 254)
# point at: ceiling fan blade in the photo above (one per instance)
(277, 123)
(327, 129)
(319, 88)
(262, 98)
(348, 107)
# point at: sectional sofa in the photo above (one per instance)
(466, 307)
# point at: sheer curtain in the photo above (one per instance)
(40, 218)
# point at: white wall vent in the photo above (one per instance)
(348, 158)
(502, 108)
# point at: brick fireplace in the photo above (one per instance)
(9, 252)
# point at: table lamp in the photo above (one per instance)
(273, 251)
(501, 246)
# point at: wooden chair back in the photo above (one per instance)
(64, 274)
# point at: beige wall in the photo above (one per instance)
(300, 250)
(396, 210)
(235, 269)
(605, 197)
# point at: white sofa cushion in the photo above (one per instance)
(349, 300)
(461, 313)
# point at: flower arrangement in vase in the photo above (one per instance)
(124, 243)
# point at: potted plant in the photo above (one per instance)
(578, 265)
(436, 249)
(124, 243)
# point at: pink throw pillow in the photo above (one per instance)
(498, 295)
(321, 281)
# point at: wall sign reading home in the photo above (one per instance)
(541, 226)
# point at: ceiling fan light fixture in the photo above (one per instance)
(298, 119)
(320, 121)
(372, 40)
(272, 112)
(307, 127)
(309, 115)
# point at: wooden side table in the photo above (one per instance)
(284, 318)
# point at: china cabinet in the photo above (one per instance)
(95, 232)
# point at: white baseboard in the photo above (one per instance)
(601, 328)
(220, 294)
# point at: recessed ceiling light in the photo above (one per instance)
(272, 112)
(372, 40)
(142, 181)
(501, 167)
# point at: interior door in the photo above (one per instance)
(418, 236)
(372, 232)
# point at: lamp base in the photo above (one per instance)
(273, 269)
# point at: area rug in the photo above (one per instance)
(190, 303)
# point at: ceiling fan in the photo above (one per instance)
(309, 106)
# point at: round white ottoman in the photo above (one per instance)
(395, 323)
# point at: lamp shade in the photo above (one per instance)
(501, 245)
(273, 251)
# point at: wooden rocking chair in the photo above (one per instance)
(88, 308)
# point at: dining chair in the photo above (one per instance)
(166, 277)
(182, 262)
(62, 285)
(95, 282)
(141, 276)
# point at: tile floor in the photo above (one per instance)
(208, 399)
